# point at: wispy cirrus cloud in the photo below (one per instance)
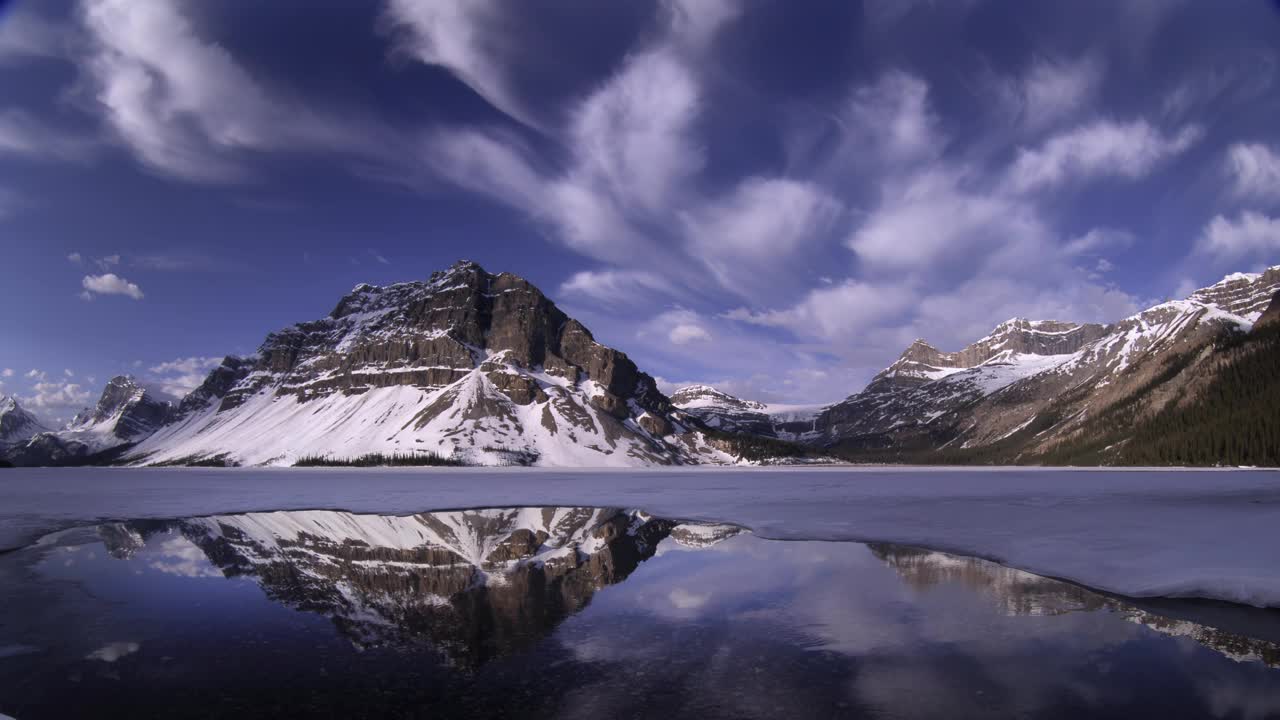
(1127, 150)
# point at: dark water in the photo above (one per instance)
(592, 613)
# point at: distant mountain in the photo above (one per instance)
(17, 426)
(468, 365)
(721, 411)
(126, 413)
(1033, 390)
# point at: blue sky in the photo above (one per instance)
(773, 197)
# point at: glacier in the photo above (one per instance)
(1141, 533)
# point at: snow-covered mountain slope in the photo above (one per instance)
(721, 411)
(468, 365)
(17, 426)
(1037, 383)
(126, 413)
(430, 577)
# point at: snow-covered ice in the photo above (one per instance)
(1194, 533)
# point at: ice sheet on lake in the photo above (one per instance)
(1141, 533)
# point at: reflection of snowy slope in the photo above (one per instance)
(1021, 593)
(432, 576)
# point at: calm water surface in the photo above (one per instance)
(587, 612)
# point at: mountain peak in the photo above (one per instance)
(706, 395)
(1244, 294)
(466, 364)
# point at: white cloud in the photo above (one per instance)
(112, 652)
(683, 599)
(110, 284)
(953, 251)
(187, 365)
(35, 374)
(179, 556)
(685, 333)
(7, 372)
(837, 312)
(633, 135)
(615, 286)
(173, 98)
(632, 153)
(185, 107)
(697, 22)
(68, 373)
(181, 376)
(1050, 91)
(75, 258)
(891, 120)
(467, 37)
(1100, 149)
(1099, 240)
(1249, 235)
(746, 238)
(933, 215)
(1254, 169)
(57, 398)
(1055, 89)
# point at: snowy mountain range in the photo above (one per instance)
(484, 369)
(470, 366)
(1028, 386)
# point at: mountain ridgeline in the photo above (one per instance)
(472, 368)
(1191, 381)
(467, 366)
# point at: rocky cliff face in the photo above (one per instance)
(1030, 386)
(475, 584)
(125, 410)
(470, 365)
(17, 426)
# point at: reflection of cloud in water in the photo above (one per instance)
(685, 600)
(179, 556)
(112, 652)
(7, 651)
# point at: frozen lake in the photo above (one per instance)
(587, 612)
(1209, 534)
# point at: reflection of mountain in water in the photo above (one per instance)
(1229, 630)
(476, 584)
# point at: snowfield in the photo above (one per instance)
(1143, 533)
